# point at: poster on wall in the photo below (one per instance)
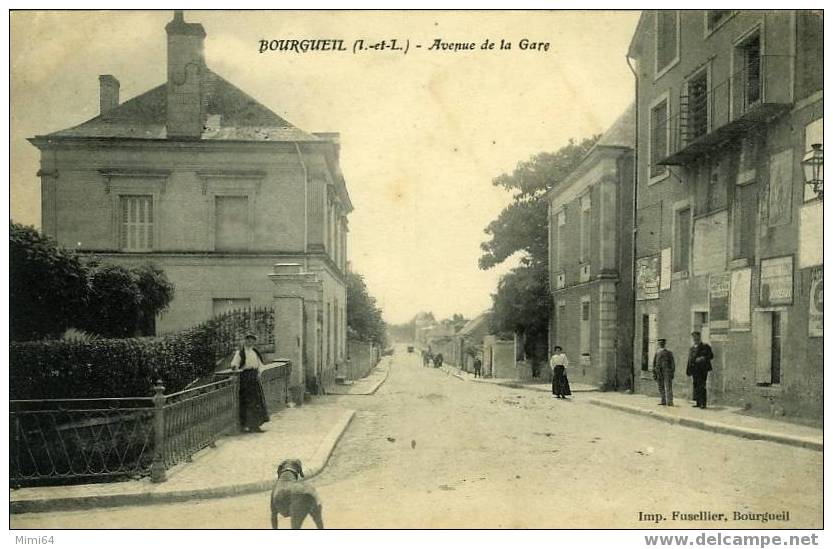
(647, 278)
(709, 249)
(719, 304)
(776, 281)
(780, 188)
(740, 296)
(816, 309)
(665, 269)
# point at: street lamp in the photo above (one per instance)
(813, 164)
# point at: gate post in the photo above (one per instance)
(157, 467)
(291, 335)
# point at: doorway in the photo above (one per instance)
(768, 331)
(700, 323)
(649, 340)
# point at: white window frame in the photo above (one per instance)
(660, 71)
(665, 96)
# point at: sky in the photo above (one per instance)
(423, 133)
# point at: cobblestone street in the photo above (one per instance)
(430, 451)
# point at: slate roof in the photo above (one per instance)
(474, 324)
(621, 132)
(232, 116)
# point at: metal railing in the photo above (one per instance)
(194, 419)
(703, 111)
(86, 439)
(91, 438)
(275, 380)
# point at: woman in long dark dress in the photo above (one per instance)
(253, 411)
(559, 363)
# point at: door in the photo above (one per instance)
(775, 348)
(700, 323)
(649, 340)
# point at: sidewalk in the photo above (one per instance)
(240, 464)
(542, 386)
(367, 385)
(718, 419)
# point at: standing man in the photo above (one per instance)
(478, 365)
(699, 365)
(664, 373)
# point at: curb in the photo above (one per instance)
(722, 428)
(319, 461)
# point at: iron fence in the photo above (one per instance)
(275, 380)
(86, 439)
(72, 438)
(194, 419)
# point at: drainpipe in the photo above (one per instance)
(306, 205)
(633, 220)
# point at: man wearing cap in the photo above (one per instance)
(699, 365)
(664, 373)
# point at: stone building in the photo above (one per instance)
(590, 250)
(729, 237)
(199, 178)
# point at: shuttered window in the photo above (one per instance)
(136, 234)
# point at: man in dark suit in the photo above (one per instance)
(699, 365)
(664, 373)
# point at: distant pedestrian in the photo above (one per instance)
(425, 359)
(438, 360)
(478, 366)
(558, 364)
(253, 411)
(699, 365)
(664, 373)
(536, 368)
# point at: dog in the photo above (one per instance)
(292, 497)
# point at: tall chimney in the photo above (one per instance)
(108, 93)
(186, 64)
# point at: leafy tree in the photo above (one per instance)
(364, 318)
(123, 301)
(52, 289)
(47, 285)
(521, 304)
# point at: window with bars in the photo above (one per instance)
(697, 106)
(136, 233)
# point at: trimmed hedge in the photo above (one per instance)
(105, 367)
